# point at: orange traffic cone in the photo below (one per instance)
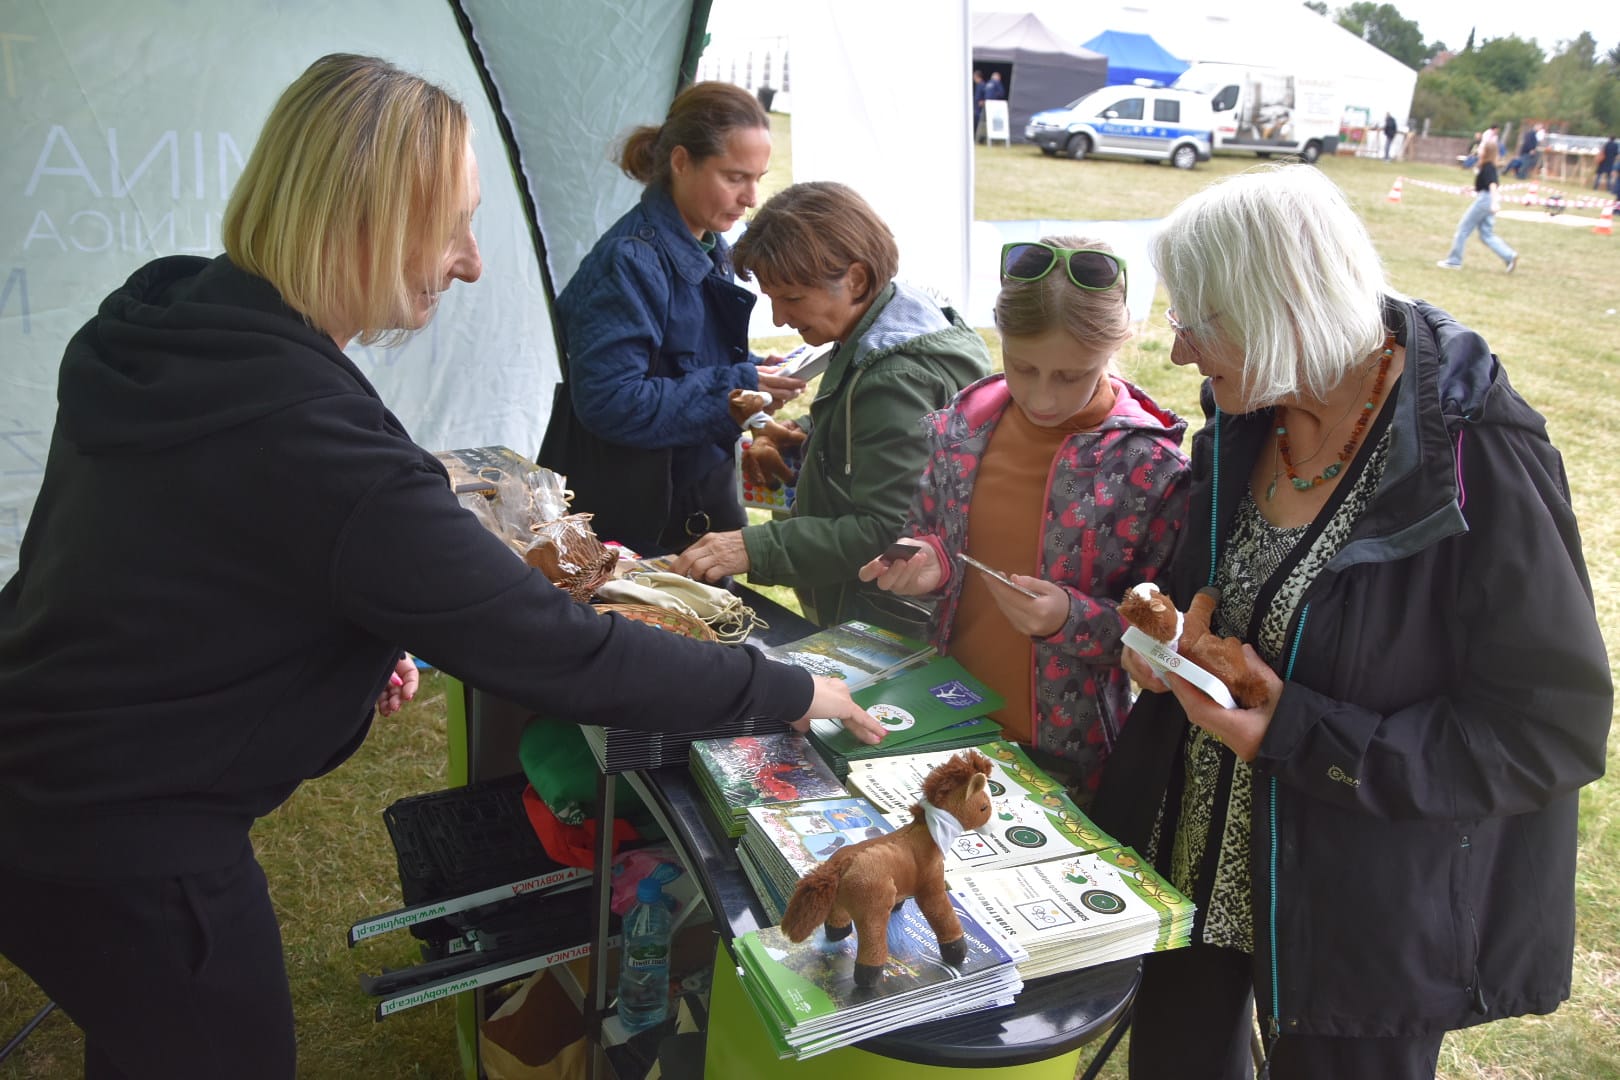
(1395, 192)
(1605, 225)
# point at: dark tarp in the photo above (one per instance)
(1135, 56)
(1046, 71)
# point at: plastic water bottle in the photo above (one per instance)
(644, 976)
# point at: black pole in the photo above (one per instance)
(27, 1030)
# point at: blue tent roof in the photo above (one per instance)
(1135, 56)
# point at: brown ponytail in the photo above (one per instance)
(700, 118)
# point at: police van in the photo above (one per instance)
(1149, 122)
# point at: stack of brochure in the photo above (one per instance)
(936, 706)
(781, 844)
(806, 992)
(1081, 910)
(857, 652)
(622, 749)
(1033, 817)
(759, 770)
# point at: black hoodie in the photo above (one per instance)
(233, 541)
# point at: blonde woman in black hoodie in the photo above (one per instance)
(233, 545)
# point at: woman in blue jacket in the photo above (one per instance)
(656, 333)
(1384, 850)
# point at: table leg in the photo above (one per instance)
(601, 895)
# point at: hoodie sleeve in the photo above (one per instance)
(413, 567)
(878, 480)
(1505, 623)
(616, 328)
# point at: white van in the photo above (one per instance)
(1152, 123)
(1268, 111)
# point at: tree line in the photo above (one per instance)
(1576, 89)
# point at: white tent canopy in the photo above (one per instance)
(1263, 33)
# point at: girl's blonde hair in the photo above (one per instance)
(351, 194)
(1095, 318)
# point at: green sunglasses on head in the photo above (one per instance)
(1088, 268)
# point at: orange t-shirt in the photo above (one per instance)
(1005, 523)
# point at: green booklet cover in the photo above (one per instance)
(913, 706)
(814, 980)
(761, 770)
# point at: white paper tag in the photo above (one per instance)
(1162, 658)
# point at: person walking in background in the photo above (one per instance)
(1064, 475)
(1605, 165)
(1481, 215)
(1391, 129)
(995, 89)
(827, 262)
(656, 333)
(1385, 849)
(1529, 152)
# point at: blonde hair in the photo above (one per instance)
(1276, 262)
(701, 118)
(355, 186)
(1094, 318)
(810, 234)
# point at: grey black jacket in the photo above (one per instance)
(1446, 695)
(907, 357)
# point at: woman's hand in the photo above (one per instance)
(713, 556)
(782, 388)
(832, 702)
(915, 576)
(1040, 616)
(402, 686)
(1240, 729)
(1138, 668)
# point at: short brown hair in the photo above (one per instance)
(812, 233)
(700, 118)
(1032, 308)
(352, 190)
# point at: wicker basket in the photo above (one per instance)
(662, 617)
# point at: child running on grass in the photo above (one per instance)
(1067, 478)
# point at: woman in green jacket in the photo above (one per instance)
(827, 262)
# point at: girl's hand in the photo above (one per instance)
(1242, 730)
(1040, 616)
(915, 576)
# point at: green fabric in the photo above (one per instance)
(563, 771)
(863, 460)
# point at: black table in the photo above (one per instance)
(1052, 1016)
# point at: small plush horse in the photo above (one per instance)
(863, 883)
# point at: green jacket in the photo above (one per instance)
(907, 357)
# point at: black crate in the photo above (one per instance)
(450, 843)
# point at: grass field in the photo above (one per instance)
(1555, 327)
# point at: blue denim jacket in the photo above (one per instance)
(657, 335)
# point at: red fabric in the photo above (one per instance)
(571, 845)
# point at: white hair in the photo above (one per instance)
(1276, 262)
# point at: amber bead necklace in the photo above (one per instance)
(1368, 410)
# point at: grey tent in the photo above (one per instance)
(1042, 71)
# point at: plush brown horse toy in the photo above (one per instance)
(862, 884)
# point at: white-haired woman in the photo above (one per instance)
(1385, 849)
(233, 542)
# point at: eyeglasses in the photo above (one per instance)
(1179, 327)
(1088, 268)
